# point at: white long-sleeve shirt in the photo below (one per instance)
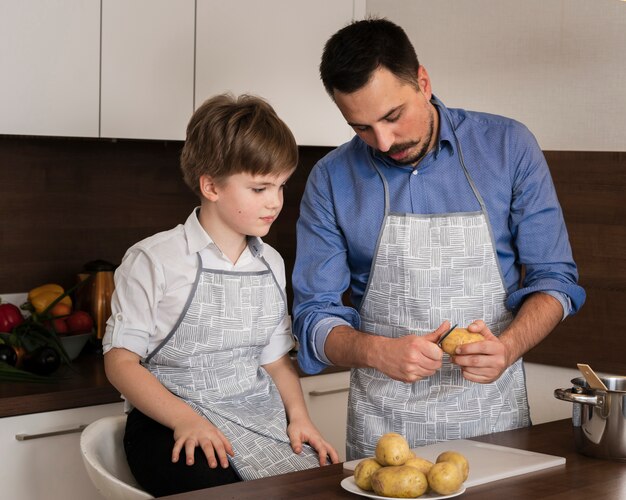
(156, 276)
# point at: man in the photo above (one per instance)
(430, 216)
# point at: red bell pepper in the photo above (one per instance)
(10, 317)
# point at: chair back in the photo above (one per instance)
(102, 449)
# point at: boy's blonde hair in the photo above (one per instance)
(229, 135)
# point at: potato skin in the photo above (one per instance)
(420, 464)
(399, 481)
(392, 449)
(459, 336)
(363, 473)
(445, 478)
(456, 458)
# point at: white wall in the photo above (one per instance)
(541, 380)
(559, 66)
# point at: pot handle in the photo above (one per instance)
(573, 397)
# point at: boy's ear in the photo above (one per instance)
(208, 188)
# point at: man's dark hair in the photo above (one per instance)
(353, 53)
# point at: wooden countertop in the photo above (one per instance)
(580, 478)
(82, 384)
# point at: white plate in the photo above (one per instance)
(348, 484)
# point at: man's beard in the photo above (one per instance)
(421, 152)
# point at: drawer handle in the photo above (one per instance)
(329, 391)
(26, 437)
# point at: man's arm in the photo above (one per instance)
(407, 359)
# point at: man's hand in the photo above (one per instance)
(483, 361)
(409, 358)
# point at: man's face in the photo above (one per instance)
(393, 116)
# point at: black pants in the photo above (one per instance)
(148, 447)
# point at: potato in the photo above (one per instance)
(392, 449)
(459, 336)
(456, 458)
(363, 473)
(399, 481)
(445, 478)
(420, 464)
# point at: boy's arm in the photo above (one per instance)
(300, 428)
(144, 391)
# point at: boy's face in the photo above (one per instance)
(247, 205)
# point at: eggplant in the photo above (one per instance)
(8, 355)
(42, 361)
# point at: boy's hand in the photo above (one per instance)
(305, 432)
(195, 430)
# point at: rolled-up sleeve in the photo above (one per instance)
(539, 231)
(321, 274)
(132, 320)
(281, 341)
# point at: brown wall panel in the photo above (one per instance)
(591, 187)
(64, 202)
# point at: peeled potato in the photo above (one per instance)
(392, 449)
(456, 458)
(363, 473)
(459, 336)
(399, 481)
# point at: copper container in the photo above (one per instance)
(95, 296)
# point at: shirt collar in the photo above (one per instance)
(198, 238)
(446, 133)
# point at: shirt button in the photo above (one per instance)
(414, 172)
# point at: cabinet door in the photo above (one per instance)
(48, 467)
(326, 399)
(147, 68)
(49, 67)
(272, 49)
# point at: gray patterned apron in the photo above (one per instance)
(429, 268)
(211, 360)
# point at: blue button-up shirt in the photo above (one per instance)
(342, 213)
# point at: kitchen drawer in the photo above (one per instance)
(326, 398)
(46, 462)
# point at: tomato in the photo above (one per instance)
(79, 322)
(10, 317)
(60, 309)
(59, 325)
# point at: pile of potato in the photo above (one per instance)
(397, 472)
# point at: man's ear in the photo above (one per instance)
(208, 187)
(423, 80)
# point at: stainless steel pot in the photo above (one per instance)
(599, 417)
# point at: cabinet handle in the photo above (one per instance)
(26, 437)
(329, 391)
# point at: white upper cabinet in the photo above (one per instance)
(49, 67)
(272, 49)
(147, 68)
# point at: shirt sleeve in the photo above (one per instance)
(538, 229)
(138, 282)
(321, 273)
(281, 341)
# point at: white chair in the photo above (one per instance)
(101, 445)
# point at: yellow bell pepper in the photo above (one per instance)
(42, 296)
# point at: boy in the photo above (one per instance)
(198, 337)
